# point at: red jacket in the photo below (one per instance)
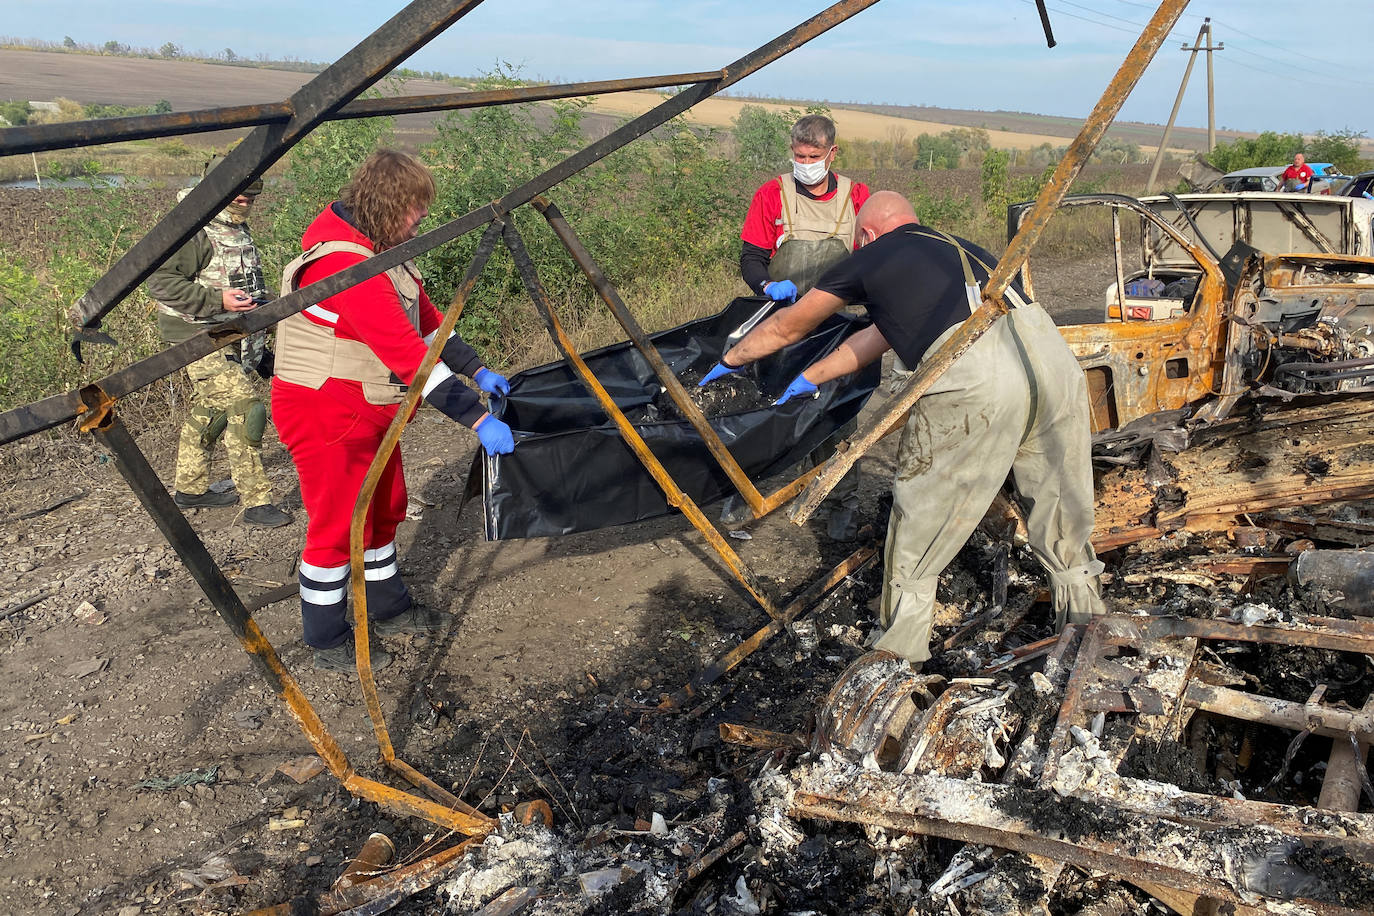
(371, 312)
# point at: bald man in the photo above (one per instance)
(1015, 402)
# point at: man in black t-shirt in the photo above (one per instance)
(1015, 402)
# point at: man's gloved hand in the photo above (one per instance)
(780, 290)
(495, 436)
(719, 370)
(800, 387)
(492, 382)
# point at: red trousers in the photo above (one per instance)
(332, 435)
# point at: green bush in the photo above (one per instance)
(15, 111)
(1269, 148)
(97, 227)
(318, 167)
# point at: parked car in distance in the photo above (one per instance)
(1270, 178)
(1361, 185)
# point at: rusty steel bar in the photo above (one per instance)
(698, 867)
(396, 885)
(676, 498)
(133, 465)
(28, 138)
(57, 409)
(762, 738)
(993, 307)
(143, 480)
(645, 346)
(370, 60)
(727, 662)
(363, 502)
(404, 803)
(1318, 632)
(38, 138)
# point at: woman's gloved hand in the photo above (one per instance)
(491, 382)
(495, 435)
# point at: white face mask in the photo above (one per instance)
(809, 173)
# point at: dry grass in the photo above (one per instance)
(171, 159)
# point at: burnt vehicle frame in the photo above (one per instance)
(1241, 326)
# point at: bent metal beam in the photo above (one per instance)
(369, 61)
(28, 138)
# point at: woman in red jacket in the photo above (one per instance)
(342, 368)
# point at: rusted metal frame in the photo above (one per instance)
(1120, 268)
(394, 886)
(133, 466)
(762, 738)
(994, 306)
(29, 138)
(689, 409)
(1111, 840)
(1315, 632)
(727, 662)
(143, 480)
(370, 60)
(52, 411)
(671, 491)
(358, 524)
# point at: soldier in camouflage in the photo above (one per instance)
(209, 280)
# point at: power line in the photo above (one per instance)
(1345, 78)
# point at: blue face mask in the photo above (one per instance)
(809, 173)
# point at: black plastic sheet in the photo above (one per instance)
(571, 471)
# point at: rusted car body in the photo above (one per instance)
(1230, 295)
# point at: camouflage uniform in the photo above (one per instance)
(226, 399)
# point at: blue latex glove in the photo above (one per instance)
(495, 436)
(800, 387)
(491, 382)
(782, 289)
(718, 370)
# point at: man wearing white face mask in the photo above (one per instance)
(799, 225)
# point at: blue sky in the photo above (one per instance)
(1285, 66)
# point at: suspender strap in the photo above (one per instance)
(970, 281)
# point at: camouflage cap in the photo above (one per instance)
(253, 190)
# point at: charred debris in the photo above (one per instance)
(1202, 749)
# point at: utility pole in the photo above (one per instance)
(1211, 93)
(1178, 100)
